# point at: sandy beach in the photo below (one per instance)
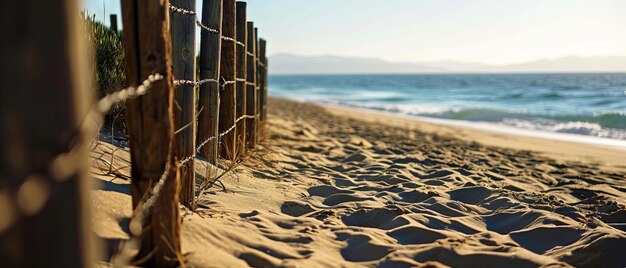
(338, 187)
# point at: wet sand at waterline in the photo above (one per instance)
(337, 187)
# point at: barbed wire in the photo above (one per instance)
(225, 83)
(219, 136)
(193, 13)
(65, 164)
(195, 83)
(156, 190)
(104, 105)
(222, 84)
(207, 28)
(181, 10)
(233, 40)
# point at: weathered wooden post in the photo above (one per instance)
(228, 70)
(251, 97)
(209, 102)
(151, 130)
(263, 93)
(45, 91)
(183, 27)
(242, 37)
(258, 83)
(265, 80)
(113, 20)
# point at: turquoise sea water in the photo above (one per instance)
(585, 104)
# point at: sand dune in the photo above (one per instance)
(335, 191)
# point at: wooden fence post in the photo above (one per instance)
(228, 70)
(45, 91)
(242, 36)
(113, 20)
(263, 92)
(183, 27)
(258, 83)
(251, 96)
(151, 130)
(209, 102)
(266, 68)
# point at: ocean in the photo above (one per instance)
(581, 104)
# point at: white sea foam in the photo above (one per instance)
(536, 124)
(406, 109)
(580, 128)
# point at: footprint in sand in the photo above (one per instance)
(382, 218)
(360, 248)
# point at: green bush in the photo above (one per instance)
(108, 65)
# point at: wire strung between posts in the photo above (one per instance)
(226, 132)
(225, 83)
(195, 83)
(200, 24)
(209, 29)
(65, 164)
(181, 10)
(219, 136)
(104, 105)
(233, 40)
(222, 84)
(155, 191)
(189, 12)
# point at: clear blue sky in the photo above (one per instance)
(483, 31)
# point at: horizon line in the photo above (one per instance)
(451, 73)
(449, 60)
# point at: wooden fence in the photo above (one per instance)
(173, 118)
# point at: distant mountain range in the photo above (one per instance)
(294, 64)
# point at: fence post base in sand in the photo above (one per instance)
(242, 37)
(151, 132)
(228, 96)
(209, 96)
(183, 29)
(251, 98)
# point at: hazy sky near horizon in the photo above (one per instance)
(481, 31)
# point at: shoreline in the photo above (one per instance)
(494, 127)
(486, 126)
(608, 153)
